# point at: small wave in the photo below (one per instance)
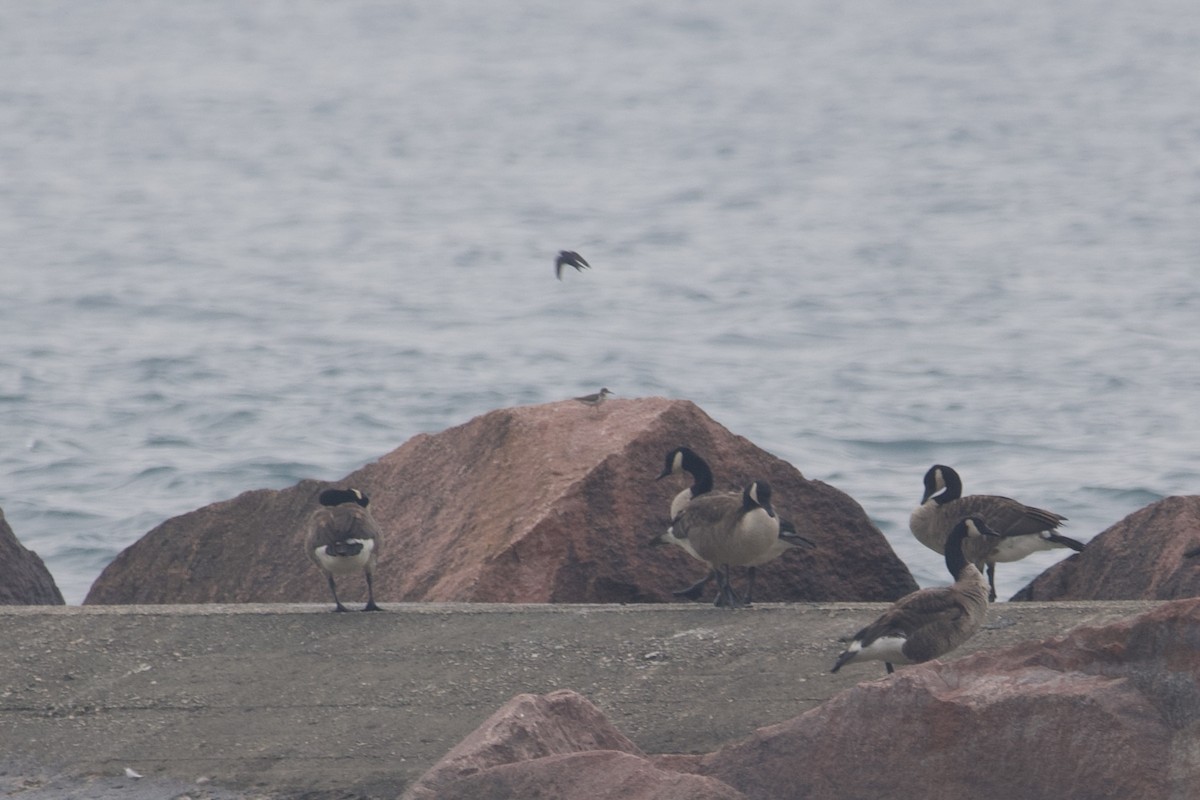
(1135, 497)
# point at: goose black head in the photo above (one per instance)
(943, 479)
(758, 494)
(335, 497)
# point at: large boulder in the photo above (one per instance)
(1103, 711)
(526, 727)
(1153, 554)
(555, 745)
(24, 579)
(1109, 711)
(592, 775)
(547, 503)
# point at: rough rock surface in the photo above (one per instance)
(595, 775)
(1110, 711)
(24, 579)
(525, 728)
(547, 503)
(1153, 554)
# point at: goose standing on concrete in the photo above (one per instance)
(343, 538)
(931, 622)
(1023, 529)
(728, 530)
(684, 459)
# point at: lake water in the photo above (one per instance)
(243, 244)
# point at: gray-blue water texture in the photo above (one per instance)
(243, 244)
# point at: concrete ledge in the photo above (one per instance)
(287, 700)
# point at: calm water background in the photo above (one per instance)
(243, 244)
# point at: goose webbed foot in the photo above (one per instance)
(337, 604)
(370, 606)
(726, 596)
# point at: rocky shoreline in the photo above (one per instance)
(291, 701)
(528, 646)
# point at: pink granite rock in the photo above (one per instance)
(1153, 554)
(595, 775)
(547, 503)
(24, 579)
(525, 728)
(1109, 711)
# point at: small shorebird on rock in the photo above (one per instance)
(594, 400)
(343, 538)
(931, 622)
(571, 259)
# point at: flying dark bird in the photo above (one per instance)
(571, 259)
(343, 538)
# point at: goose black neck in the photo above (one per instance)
(702, 477)
(956, 562)
(953, 489)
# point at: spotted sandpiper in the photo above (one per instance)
(594, 400)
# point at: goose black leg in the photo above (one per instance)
(370, 596)
(991, 573)
(333, 591)
(750, 573)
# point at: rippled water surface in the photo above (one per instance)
(245, 244)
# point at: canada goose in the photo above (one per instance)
(571, 259)
(594, 400)
(342, 538)
(1022, 529)
(930, 622)
(788, 538)
(684, 459)
(727, 530)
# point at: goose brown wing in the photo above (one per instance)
(1006, 516)
(705, 512)
(910, 614)
(338, 523)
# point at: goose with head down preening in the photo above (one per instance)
(931, 622)
(342, 538)
(1022, 529)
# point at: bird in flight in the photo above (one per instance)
(571, 259)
